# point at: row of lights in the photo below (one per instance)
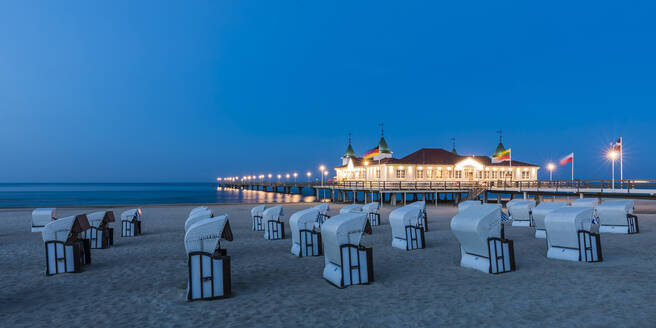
(270, 176)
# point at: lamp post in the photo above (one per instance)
(322, 168)
(550, 167)
(279, 176)
(309, 174)
(287, 176)
(295, 175)
(613, 156)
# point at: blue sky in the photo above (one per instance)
(191, 90)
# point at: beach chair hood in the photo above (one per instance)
(586, 202)
(563, 224)
(467, 203)
(205, 235)
(521, 209)
(371, 207)
(352, 208)
(613, 212)
(402, 217)
(323, 208)
(100, 218)
(541, 211)
(302, 220)
(197, 216)
(420, 204)
(474, 225)
(43, 216)
(131, 214)
(343, 229)
(65, 229)
(258, 210)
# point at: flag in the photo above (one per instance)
(617, 145)
(372, 153)
(567, 159)
(501, 157)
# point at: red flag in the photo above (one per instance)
(567, 159)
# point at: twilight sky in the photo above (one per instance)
(150, 91)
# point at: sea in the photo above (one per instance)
(14, 195)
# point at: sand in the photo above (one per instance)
(142, 281)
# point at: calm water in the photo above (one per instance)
(81, 194)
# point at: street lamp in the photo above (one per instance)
(269, 177)
(309, 174)
(612, 155)
(279, 176)
(550, 167)
(295, 175)
(322, 168)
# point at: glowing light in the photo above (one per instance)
(308, 174)
(287, 175)
(295, 174)
(550, 166)
(269, 175)
(325, 172)
(322, 168)
(366, 163)
(612, 155)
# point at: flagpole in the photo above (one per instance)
(511, 171)
(572, 166)
(621, 160)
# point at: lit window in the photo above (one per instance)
(400, 174)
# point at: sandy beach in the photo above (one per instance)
(142, 280)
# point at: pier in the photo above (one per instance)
(445, 191)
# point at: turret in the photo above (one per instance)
(349, 152)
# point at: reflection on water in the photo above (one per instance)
(80, 194)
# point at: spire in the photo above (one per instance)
(453, 140)
(349, 150)
(500, 147)
(382, 144)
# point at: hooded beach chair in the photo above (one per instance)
(257, 213)
(521, 212)
(482, 246)
(131, 223)
(371, 209)
(424, 218)
(572, 234)
(407, 233)
(323, 212)
(464, 204)
(540, 212)
(208, 264)
(347, 261)
(274, 229)
(616, 216)
(41, 217)
(195, 216)
(351, 208)
(306, 235)
(100, 234)
(65, 250)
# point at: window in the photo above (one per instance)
(458, 174)
(494, 175)
(438, 174)
(377, 173)
(487, 174)
(420, 174)
(400, 174)
(526, 175)
(479, 175)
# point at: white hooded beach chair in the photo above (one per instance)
(196, 216)
(41, 217)
(65, 251)
(371, 209)
(323, 212)
(257, 214)
(306, 236)
(208, 264)
(465, 204)
(407, 233)
(274, 229)
(198, 209)
(482, 246)
(352, 208)
(521, 212)
(616, 216)
(572, 234)
(100, 234)
(540, 212)
(347, 261)
(131, 223)
(424, 218)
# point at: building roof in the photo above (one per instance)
(500, 148)
(438, 156)
(382, 146)
(349, 152)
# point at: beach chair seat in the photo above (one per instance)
(616, 216)
(257, 213)
(65, 251)
(478, 229)
(41, 217)
(372, 213)
(407, 233)
(538, 214)
(131, 223)
(208, 265)
(572, 234)
(520, 212)
(306, 238)
(323, 209)
(347, 261)
(100, 234)
(274, 229)
(424, 218)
